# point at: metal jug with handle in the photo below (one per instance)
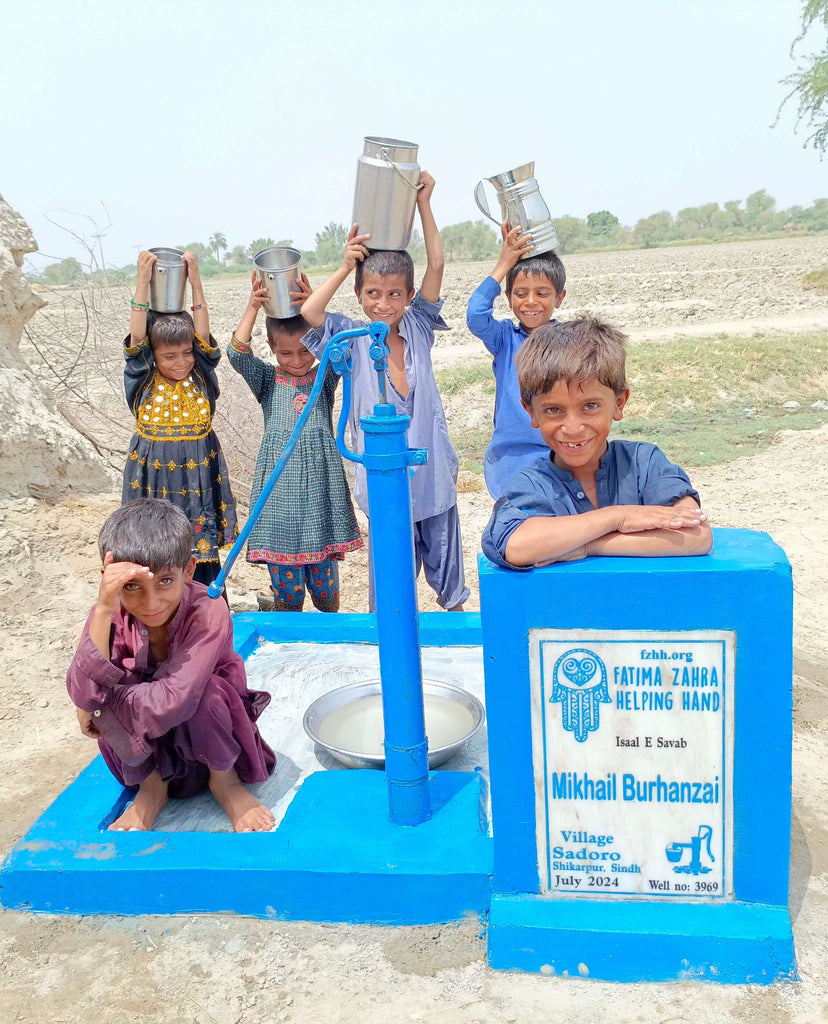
(278, 269)
(385, 195)
(521, 204)
(168, 281)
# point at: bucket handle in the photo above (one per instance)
(482, 205)
(388, 160)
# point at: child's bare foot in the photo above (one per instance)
(246, 813)
(141, 814)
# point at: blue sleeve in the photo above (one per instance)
(429, 312)
(526, 494)
(661, 482)
(506, 518)
(480, 316)
(318, 337)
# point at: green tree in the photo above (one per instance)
(237, 257)
(201, 252)
(757, 205)
(655, 230)
(416, 247)
(68, 271)
(218, 245)
(257, 245)
(809, 83)
(572, 234)
(330, 243)
(603, 228)
(469, 240)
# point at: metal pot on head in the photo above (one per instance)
(385, 194)
(278, 269)
(168, 282)
(521, 203)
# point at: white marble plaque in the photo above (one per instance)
(632, 740)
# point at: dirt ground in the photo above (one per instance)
(230, 970)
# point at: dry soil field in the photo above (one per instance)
(227, 970)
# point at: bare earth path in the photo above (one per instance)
(229, 970)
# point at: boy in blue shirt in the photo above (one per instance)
(535, 289)
(588, 495)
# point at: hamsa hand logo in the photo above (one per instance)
(579, 685)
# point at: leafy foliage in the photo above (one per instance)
(809, 83)
(471, 240)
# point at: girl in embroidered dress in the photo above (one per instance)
(171, 388)
(308, 522)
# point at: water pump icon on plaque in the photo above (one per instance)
(632, 747)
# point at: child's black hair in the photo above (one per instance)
(385, 262)
(148, 531)
(169, 328)
(285, 327)
(547, 264)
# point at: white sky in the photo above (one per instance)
(184, 118)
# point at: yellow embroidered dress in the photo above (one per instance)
(174, 453)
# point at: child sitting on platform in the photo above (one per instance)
(534, 290)
(156, 679)
(588, 495)
(384, 285)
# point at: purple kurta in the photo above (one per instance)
(185, 716)
(434, 486)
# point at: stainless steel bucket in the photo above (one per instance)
(521, 203)
(168, 283)
(385, 195)
(278, 269)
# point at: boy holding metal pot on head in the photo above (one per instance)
(384, 286)
(535, 288)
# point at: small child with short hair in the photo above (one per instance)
(384, 286)
(156, 680)
(307, 524)
(535, 288)
(171, 388)
(588, 495)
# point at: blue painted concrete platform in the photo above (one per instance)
(336, 856)
(733, 943)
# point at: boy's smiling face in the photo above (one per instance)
(384, 297)
(574, 419)
(154, 599)
(534, 299)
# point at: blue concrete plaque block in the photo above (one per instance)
(639, 722)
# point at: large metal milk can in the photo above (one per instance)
(386, 192)
(168, 281)
(521, 203)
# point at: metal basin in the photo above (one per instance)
(347, 722)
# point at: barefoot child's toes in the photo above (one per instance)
(246, 813)
(141, 814)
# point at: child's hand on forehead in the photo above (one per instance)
(355, 248)
(114, 576)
